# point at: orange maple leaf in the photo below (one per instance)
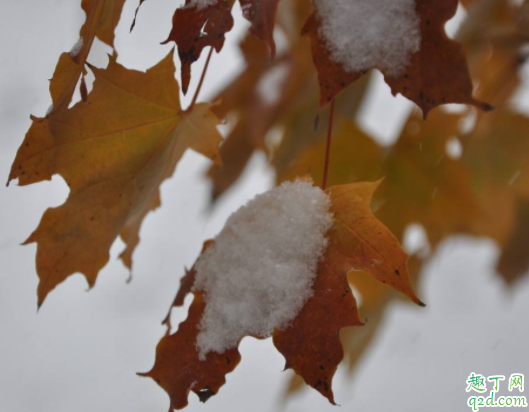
(113, 151)
(310, 344)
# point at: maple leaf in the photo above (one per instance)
(295, 113)
(496, 147)
(436, 74)
(496, 154)
(186, 285)
(358, 241)
(102, 17)
(241, 100)
(331, 308)
(113, 151)
(422, 185)
(178, 368)
(196, 27)
(486, 192)
(236, 151)
(514, 259)
(109, 20)
(262, 14)
(375, 300)
(310, 344)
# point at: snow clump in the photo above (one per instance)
(77, 47)
(361, 34)
(201, 4)
(260, 271)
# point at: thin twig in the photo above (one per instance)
(201, 81)
(328, 147)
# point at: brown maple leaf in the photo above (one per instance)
(113, 151)
(262, 15)
(310, 344)
(178, 369)
(186, 285)
(196, 27)
(331, 308)
(437, 73)
(514, 259)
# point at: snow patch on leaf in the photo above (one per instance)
(260, 272)
(77, 47)
(246, 10)
(361, 34)
(201, 4)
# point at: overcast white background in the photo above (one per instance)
(81, 352)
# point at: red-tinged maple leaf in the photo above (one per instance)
(186, 285)
(435, 75)
(358, 241)
(178, 369)
(262, 15)
(196, 27)
(311, 343)
(331, 308)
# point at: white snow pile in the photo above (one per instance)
(77, 47)
(361, 34)
(260, 271)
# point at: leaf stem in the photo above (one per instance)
(328, 147)
(201, 81)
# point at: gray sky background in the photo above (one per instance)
(82, 351)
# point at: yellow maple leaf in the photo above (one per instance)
(113, 151)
